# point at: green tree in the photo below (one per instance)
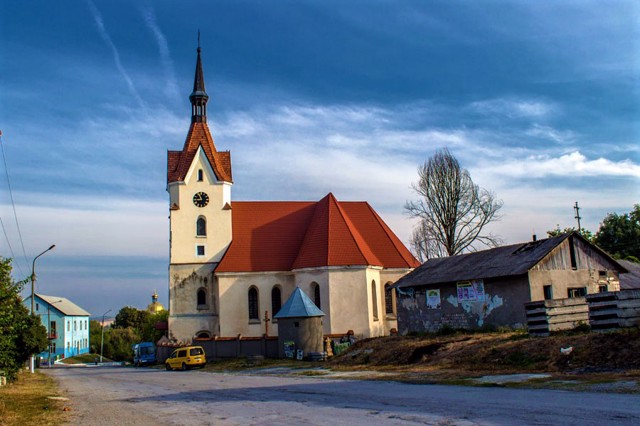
(619, 235)
(21, 334)
(95, 335)
(131, 317)
(588, 235)
(118, 341)
(149, 332)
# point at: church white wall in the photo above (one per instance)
(234, 301)
(183, 220)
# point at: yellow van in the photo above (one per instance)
(184, 358)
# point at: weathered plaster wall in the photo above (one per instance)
(186, 317)
(305, 332)
(503, 305)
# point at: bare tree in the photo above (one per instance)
(452, 210)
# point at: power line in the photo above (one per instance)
(4, 231)
(13, 204)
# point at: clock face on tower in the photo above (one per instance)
(200, 199)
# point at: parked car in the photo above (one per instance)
(144, 353)
(184, 358)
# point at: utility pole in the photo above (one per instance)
(102, 334)
(577, 216)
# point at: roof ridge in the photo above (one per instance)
(352, 231)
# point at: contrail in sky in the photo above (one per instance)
(171, 88)
(116, 56)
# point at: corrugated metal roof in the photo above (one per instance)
(515, 259)
(299, 306)
(64, 305)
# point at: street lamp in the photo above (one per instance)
(33, 301)
(49, 327)
(102, 335)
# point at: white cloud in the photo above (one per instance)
(572, 164)
(114, 50)
(171, 87)
(514, 108)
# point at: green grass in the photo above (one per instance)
(25, 401)
(84, 359)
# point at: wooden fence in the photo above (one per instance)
(602, 311)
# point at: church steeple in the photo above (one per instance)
(199, 97)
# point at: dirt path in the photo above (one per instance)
(127, 396)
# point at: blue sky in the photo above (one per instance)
(539, 100)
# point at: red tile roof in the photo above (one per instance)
(283, 235)
(178, 162)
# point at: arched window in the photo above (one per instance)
(202, 298)
(374, 300)
(388, 299)
(315, 287)
(276, 300)
(203, 335)
(201, 227)
(254, 310)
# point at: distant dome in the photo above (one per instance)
(154, 307)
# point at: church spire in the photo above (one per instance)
(199, 96)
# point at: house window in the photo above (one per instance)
(68, 325)
(200, 175)
(374, 300)
(548, 292)
(316, 293)
(202, 298)
(253, 304)
(75, 325)
(276, 300)
(603, 288)
(388, 299)
(201, 227)
(576, 292)
(200, 250)
(53, 347)
(37, 306)
(52, 330)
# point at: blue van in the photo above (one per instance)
(144, 353)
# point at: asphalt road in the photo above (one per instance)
(144, 396)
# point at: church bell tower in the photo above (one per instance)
(199, 183)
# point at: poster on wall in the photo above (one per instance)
(433, 298)
(478, 288)
(289, 348)
(471, 291)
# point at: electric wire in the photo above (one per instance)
(4, 231)
(13, 204)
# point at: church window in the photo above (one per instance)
(254, 311)
(203, 335)
(276, 300)
(202, 298)
(388, 299)
(200, 250)
(316, 293)
(374, 300)
(200, 175)
(201, 227)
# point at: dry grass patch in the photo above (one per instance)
(24, 402)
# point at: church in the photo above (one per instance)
(234, 263)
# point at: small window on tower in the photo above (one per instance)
(200, 250)
(200, 175)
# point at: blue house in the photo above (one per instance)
(67, 326)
